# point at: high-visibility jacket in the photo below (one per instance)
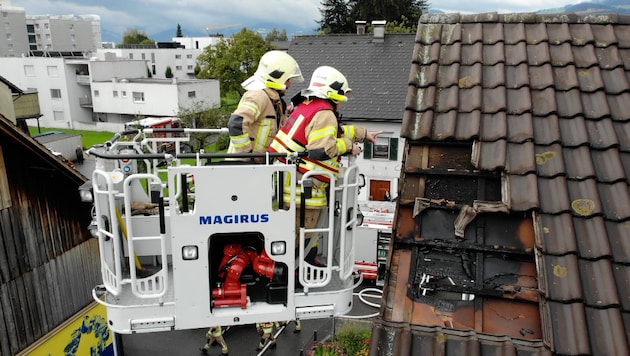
(314, 126)
(255, 122)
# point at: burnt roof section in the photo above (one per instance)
(543, 102)
(377, 71)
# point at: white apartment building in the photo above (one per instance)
(181, 59)
(103, 94)
(74, 33)
(21, 33)
(13, 38)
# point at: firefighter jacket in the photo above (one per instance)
(314, 126)
(255, 122)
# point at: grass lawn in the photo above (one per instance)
(88, 138)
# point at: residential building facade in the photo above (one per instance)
(102, 95)
(13, 37)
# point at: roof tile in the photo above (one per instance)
(590, 79)
(622, 275)
(448, 99)
(451, 33)
(561, 55)
(549, 160)
(520, 128)
(615, 80)
(450, 54)
(611, 341)
(601, 133)
(556, 195)
(429, 34)
(574, 339)
(514, 33)
(444, 125)
(470, 76)
(493, 126)
(585, 200)
(588, 233)
(489, 156)
(584, 56)
(569, 103)
(598, 283)
(516, 76)
(492, 33)
(556, 235)
(546, 130)
(558, 33)
(541, 77)
(619, 108)
(538, 54)
(578, 163)
(518, 196)
(609, 57)
(448, 75)
(472, 53)
(604, 35)
(494, 54)
(563, 278)
(573, 131)
(495, 100)
(608, 165)
(472, 33)
(536, 33)
(581, 34)
(565, 78)
(543, 102)
(516, 54)
(470, 99)
(469, 124)
(623, 36)
(423, 76)
(520, 158)
(493, 76)
(615, 197)
(595, 105)
(620, 246)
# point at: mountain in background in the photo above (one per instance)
(594, 8)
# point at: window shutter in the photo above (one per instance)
(393, 148)
(367, 150)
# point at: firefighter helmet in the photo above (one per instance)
(275, 68)
(328, 83)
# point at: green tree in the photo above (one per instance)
(179, 31)
(232, 60)
(276, 35)
(398, 11)
(169, 72)
(335, 17)
(135, 36)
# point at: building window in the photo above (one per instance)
(32, 39)
(52, 71)
(37, 26)
(123, 94)
(153, 58)
(48, 36)
(384, 148)
(9, 36)
(58, 116)
(55, 93)
(192, 94)
(115, 93)
(73, 38)
(143, 56)
(46, 25)
(189, 56)
(178, 67)
(178, 56)
(138, 97)
(130, 55)
(190, 67)
(10, 46)
(96, 93)
(71, 26)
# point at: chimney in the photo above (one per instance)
(379, 30)
(360, 27)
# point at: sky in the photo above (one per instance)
(228, 16)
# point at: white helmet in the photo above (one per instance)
(328, 83)
(275, 68)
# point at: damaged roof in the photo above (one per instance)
(512, 228)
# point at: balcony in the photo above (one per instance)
(85, 102)
(83, 79)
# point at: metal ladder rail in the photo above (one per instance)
(155, 285)
(112, 273)
(348, 222)
(312, 276)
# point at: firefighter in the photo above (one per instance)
(314, 125)
(215, 333)
(260, 112)
(266, 330)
